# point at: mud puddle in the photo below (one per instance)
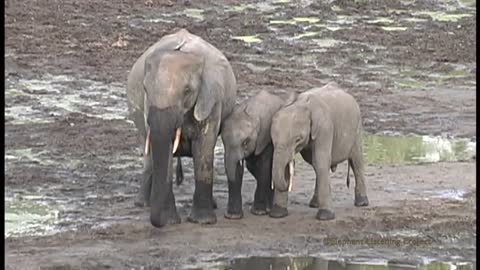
(319, 263)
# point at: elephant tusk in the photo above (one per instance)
(147, 143)
(272, 184)
(291, 171)
(177, 140)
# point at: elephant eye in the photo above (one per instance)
(246, 141)
(298, 139)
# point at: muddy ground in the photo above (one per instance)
(413, 72)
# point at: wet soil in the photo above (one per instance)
(410, 74)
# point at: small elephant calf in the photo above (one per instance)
(324, 125)
(246, 136)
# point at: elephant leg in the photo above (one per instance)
(357, 164)
(321, 164)
(234, 204)
(184, 150)
(280, 201)
(307, 156)
(169, 211)
(203, 155)
(143, 196)
(314, 201)
(261, 169)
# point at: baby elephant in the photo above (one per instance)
(246, 136)
(324, 125)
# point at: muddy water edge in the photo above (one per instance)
(73, 161)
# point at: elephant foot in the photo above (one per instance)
(259, 209)
(234, 214)
(325, 214)
(361, 201)
(313, 202)
(202, 216)
(166, 218)
(234, 209)
(278, 212)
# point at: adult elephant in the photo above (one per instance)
(179, 91)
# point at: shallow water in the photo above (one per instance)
(29, 216)
(248, 39)
(52, 96)
(316, 263)
(442, 16)
(447, 194)
(195, 13)
(381, 149)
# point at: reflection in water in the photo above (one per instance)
(415, 149)
(311, 263)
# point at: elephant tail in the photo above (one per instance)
(348, 173)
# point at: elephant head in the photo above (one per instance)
(175, 83)
(247, 129)
(293, 127)
(239, 135)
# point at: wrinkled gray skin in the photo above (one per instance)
(246, 137)
(183, 82)
(324, 125)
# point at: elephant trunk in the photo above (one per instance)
(164, 131)
(283, 170)
(234, 166)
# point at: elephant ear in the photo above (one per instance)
(262, 119)
(262, 140)
(317, 117)
(290, 98)
(263, 136)
(211, 91)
